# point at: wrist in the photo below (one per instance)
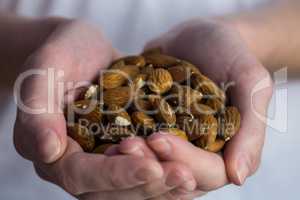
(20, 37)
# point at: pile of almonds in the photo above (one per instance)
(151, 92)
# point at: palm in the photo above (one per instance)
(220, 53)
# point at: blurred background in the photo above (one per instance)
(129, 24)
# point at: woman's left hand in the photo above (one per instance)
(222, 55)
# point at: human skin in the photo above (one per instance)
(222, 55)
(242, 54)
(80, 50)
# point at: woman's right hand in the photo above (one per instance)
(79, 50)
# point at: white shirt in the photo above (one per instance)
(129, 24)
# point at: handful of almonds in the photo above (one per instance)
(139, 95)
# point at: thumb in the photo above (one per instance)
(40, 138)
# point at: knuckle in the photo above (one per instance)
(66, 174)
(66, 182)
(114, 177)
(116, 180)
(147, 191)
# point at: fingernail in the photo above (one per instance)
(242, 170)
(160, 145)
(49, 147)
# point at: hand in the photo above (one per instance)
(80, 51)
(221, 54)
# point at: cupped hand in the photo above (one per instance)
(75, 52)
(221, 54)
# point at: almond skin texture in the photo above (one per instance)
(135, 60)
(198, 109)
(139, 81)
(160, 81)
(118, 64)
(206, 128)
(161, 60)
(177, 132)
(229, 123)
(82, 135)
(184, 96)
(190, 66)
(118, 96)
(180, 73)
(129, 60)
(216, 146)
(207, 87)
(143, 120)
(141, 105)
(88, 110)
(117, 77)
(118, 116)
(215, 103)
(165, 113)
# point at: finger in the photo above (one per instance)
(175, 175)
(208, 168)
(243, 153)
(136, 146)
(78, 172)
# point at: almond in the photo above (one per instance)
(160, 81)
(92, 92)
(180, 73)
(229, 123)
(184, 96)
(89, 110)
(114, 78)
(118, 64)
(142, 105)
(82, 136)
(161, 60)
(176, 132)
(216, 146)
(143, 120)
(216, 104)
(118, 96)
(190, 66)
(139, 81)
(165, 113)
(114, 133)
(205, 127)
(207, 87)
(198, 109)
(102, 148)
(132, 60)
(118, 116)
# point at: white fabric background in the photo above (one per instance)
(129, 24)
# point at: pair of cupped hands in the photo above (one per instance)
(161, 166)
